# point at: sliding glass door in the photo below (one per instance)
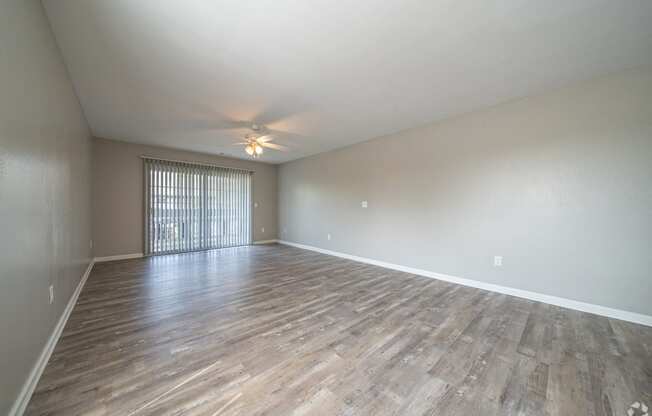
(192, 207)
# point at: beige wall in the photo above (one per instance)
(45, 203)
(559, 184)
(118, 193)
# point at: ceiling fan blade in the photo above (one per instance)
(264, 139)
(274, 146)
(287, 135)
(239, 143)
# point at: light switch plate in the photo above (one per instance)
(364, 204)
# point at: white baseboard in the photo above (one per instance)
(118, 257)
(539, 297)
(32, 380)
(266, 242)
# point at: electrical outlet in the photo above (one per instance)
(364, 204)
(255, 204)
(51, 294)
(90, 244)
(262, 230)
(498, 261)
(328, 236)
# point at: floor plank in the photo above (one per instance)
(275, 330)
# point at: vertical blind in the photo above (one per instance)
(192, 207)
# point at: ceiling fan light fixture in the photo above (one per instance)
(256, 142)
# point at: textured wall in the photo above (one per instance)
(45, 203)
(118, 193)
(559, 184)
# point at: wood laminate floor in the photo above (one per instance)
(274, 330)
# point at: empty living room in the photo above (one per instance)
(318, 208)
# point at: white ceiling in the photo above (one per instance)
(189, 74)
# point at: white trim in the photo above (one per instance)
(539, 297)
(32, 380)
(118, 257)
(266, 242)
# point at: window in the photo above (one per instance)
(192, 207)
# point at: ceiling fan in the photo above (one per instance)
(256, 142)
